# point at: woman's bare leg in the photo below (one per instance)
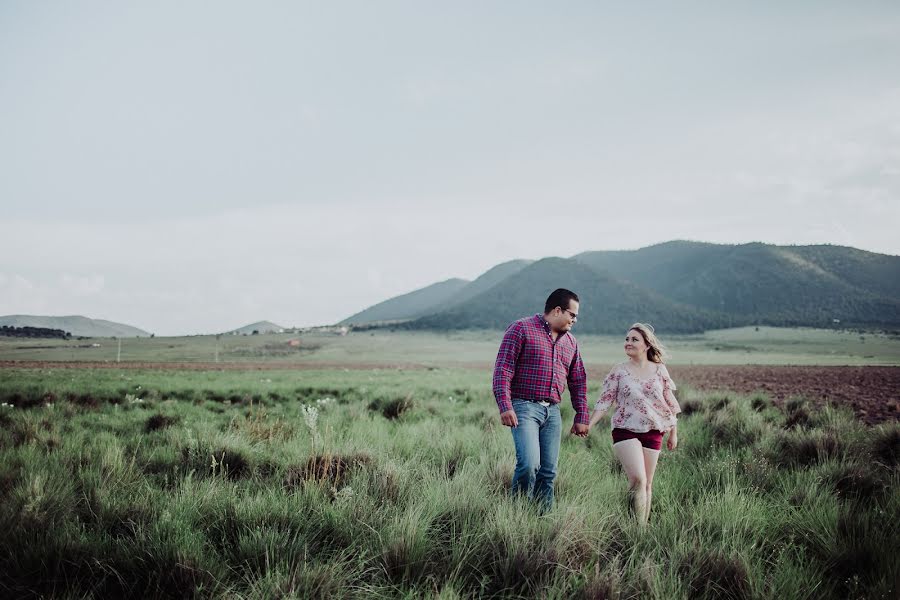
(651, 458)
(630, 454)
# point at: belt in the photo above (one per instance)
(541, 401)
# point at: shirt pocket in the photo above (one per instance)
(564, 358)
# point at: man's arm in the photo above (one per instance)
(577, 379)
(505, 369)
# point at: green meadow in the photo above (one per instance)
(746, 345)
(392, 483)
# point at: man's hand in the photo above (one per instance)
(509, 418)
(580, 429)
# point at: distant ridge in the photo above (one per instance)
(680, 287)
(487, 280)
(259, 327)
(411, 305)
(76, 325)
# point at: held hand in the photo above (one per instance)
(672, 442)
(509, 418)
(580, 429)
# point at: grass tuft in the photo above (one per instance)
(325, 468)
(885, 445)
(392, 408)
(159, 421)
(715, 575)
(856, 482)
(796, 414)
(804, 449)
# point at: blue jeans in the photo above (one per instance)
(537, 450)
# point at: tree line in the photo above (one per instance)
(34, 332)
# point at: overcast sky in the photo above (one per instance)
(191, 167)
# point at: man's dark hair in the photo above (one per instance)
(560, 297)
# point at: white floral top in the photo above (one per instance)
(641, 404)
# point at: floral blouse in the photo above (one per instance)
(641, 404)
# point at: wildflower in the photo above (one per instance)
(311, 416)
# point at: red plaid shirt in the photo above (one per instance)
(531, 366)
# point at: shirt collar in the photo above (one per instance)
(539, 318)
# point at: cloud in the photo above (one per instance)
(82, 285)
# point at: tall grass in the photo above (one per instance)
(397, 487)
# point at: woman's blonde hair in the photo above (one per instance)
(656, 352)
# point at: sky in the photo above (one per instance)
(191, 167)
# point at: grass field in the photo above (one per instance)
(747, 345)
(392, 483)
(379, 469)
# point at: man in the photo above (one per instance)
(537, 357)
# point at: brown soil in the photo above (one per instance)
(872, 392)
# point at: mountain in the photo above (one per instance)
(683, 286)
(608, 304)
(488, 280)
(259, 327)
(76, 325)
(435, 297)
(409, 306)
(775, 285)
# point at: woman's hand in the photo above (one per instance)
(672, 442)
(595, 417)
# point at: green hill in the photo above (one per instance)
(409, 306)
(487, 280)
(877, 273)
(685, 286)
(76, 325)
(761, 283)
(608, 304)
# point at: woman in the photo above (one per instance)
(645, 410)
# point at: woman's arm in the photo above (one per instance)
(596, 416)
(607, 397)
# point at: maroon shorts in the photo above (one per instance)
(650, 439)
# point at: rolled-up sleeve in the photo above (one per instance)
(578, 388)
(505, 365)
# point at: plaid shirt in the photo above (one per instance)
(531, 366)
